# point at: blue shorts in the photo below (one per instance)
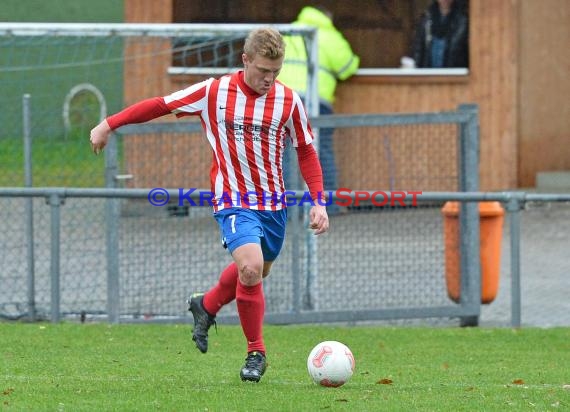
(240, 226)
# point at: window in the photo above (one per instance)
(381, 32)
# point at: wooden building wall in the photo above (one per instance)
(544, 84)
(515, 91)
(492, 83)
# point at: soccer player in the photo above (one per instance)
(247, 117)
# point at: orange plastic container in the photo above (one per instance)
(491, 215)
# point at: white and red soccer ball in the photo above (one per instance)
(331, 364)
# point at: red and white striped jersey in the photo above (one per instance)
(247, 133)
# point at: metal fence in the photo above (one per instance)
(79, 272)
(77, 73)
(109, 254)
(153, 254)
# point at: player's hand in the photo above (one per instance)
(99, 136)
(319, 219)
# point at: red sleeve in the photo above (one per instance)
(140, 112)
(311, 170)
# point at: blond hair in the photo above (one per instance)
(265, 42)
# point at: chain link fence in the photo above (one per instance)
(139, 261)
(363, 274)
(120, 258)
(76, 74)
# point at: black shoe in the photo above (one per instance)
(254, 367)
(202, 321)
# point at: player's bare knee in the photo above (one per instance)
(250, 275)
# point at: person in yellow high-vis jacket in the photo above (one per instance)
(337, 62)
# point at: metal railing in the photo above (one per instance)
(468, 308)
(302, 298)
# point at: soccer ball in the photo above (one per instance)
(331, 364)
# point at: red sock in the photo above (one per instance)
(223, 292)
(251, 308)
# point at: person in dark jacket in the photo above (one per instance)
(441, 38)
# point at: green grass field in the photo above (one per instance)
(57, 163)
(95, 367)
(47, 68)
(62, 11)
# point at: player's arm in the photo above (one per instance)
(311, 170)
(140, 112)
(313, 175)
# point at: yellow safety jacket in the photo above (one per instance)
(336, 58)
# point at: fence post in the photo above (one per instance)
(469, 216)
(513, 208)
(295, 249)
(313, 109)
(29, 207)
(112, 215)
(55, 201)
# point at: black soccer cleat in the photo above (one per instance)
(202, 321)
(254, 367)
